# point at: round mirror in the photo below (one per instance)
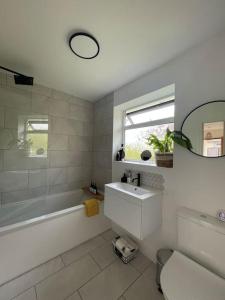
(204, 126)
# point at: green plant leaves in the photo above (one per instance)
(166, 144)
(181, 139)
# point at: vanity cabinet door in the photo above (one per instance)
(125, 213)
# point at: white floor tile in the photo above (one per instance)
(75, 296)
(29, 279)
(144, 288)
(109, 235)
(110, 283)
(68, 280)
(141, 263)
(28, 295)
(104, 255)
(81, 250)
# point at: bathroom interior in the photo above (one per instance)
(112, 146)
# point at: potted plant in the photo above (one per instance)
(164, 148)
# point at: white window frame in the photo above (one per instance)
(149, 123)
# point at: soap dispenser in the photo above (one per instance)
(124, 178)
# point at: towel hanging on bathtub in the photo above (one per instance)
(91, 207)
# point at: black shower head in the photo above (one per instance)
(24, 80)
(20, 78)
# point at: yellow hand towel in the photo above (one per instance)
(91, 207)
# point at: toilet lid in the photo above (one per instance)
(184, 279)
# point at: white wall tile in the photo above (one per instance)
(40, 104)
(1, 159)
(78, 173)
(37, 178)
(22, 195)
(66, 126)
(103, 127)
(81, 113)
(103, 143)
(11, 117)
(2, 118)
(65, 158)
(56, 176)
(58, 142)
(87, 129)
(69, 141)
(41, 90)
(18, 160)
(13, 97)
(8, 139)
(58, 108)
(58, 95)
(13, 180)
(80, 143)
(81, 102)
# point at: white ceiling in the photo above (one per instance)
(135, 37)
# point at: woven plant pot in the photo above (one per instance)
(164, 160)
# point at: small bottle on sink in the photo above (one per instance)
(129, 176)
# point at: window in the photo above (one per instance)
(142, 121)
(33, 135)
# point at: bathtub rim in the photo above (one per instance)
(19, 225)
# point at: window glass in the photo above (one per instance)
(148, 115)
(135, 135)
(135, 140)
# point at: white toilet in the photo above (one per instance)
(197, 270)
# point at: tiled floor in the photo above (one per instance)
(90, 271)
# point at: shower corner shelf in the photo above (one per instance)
(98, 196)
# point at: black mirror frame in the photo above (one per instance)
(214, 101)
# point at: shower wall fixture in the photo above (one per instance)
(20, 78)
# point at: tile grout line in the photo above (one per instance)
(77, 290)
(95, 261)
(24, 291)
(35, 290)
(80, 294)
(62, 260)
(7, 282)
(60, 256)
(63, 267)
(130, 285)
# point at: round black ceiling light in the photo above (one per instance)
(84, 45)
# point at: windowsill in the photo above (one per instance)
(140, 163)
(142, 166)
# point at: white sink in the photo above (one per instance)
(138, 192)
(135, 209)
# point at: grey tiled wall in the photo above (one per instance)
(68, 164)
(103, 130)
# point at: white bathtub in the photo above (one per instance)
(33, 232)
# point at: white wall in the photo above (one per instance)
(194, 182)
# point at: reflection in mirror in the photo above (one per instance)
(213, 138)
(33, 135)
(204, 126)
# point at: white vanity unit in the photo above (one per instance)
(135, 209)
